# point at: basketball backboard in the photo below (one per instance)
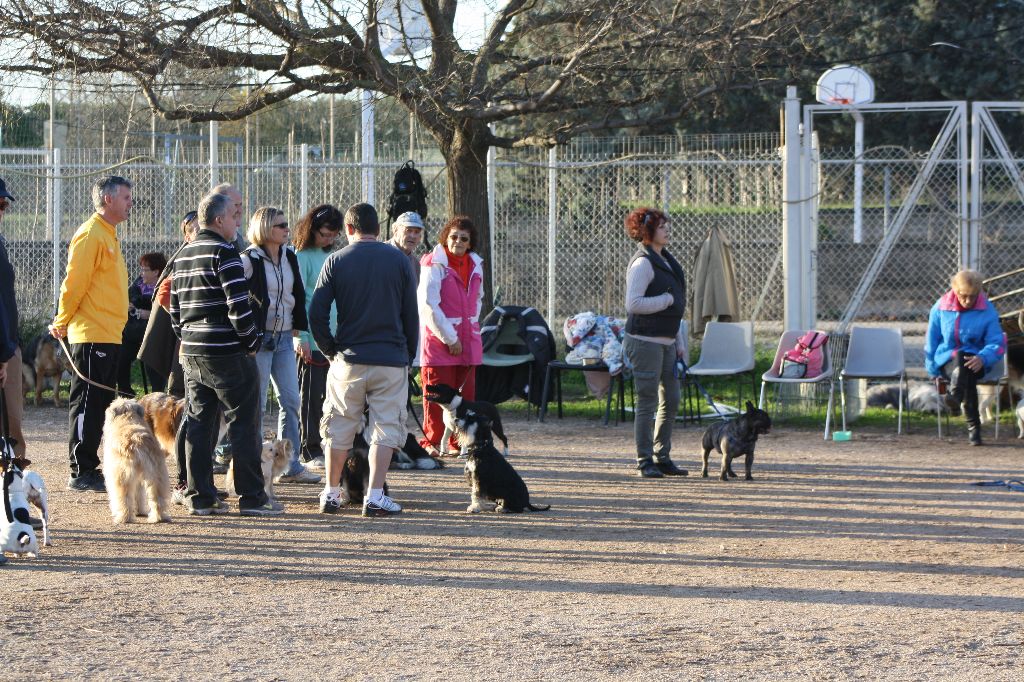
(845, 85)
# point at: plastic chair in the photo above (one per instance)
(996, 375)
(772, 376)
(874, 353)
(509, 350)
(727, 350)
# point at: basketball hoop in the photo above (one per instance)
(845, 85)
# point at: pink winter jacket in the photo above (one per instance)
(448, 311)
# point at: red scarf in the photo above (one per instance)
(463, 265)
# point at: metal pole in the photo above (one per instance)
(970, 229)
(304, 179)
(214, 163)
(791, 212)
(552, 218)
(368, 151)
(491, 175)
(858, 177)
(55, 210)
(53, 121)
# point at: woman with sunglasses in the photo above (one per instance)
(279, 305)
(314, 237)
(450, 296)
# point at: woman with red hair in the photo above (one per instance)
(654, 343)
(450, 296)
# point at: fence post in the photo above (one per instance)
(304, 179)
(491, 176)
(970, 230)
(552, 217)
(792, 213)
(55, 211)
(367, 157)
(214, 162)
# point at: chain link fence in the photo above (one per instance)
(558, 237)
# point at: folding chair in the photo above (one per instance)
(727, 350)
(874, 353)
(772, 376)
(509, 350)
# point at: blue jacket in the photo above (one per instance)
(952, 330)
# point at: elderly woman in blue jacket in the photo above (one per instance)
(964, 341)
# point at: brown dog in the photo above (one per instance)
(134, 467)
(44, 362)
(163, 414)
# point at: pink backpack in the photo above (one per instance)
(805, 360)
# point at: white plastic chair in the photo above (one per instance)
(787, 342)
(996, 375)
(727, 350)
(874, 353)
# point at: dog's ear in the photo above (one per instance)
(22, 463)
(750, 407)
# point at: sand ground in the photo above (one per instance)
(872, 559)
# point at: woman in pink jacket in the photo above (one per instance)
(450, 295)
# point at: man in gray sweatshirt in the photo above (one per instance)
(373, 287)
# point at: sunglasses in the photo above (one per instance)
(458, 238)
(327, 234)
(283, 226)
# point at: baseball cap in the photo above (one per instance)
(409, 219)
(4, 194)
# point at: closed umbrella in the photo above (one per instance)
(714, 283)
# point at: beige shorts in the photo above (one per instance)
(351, 388)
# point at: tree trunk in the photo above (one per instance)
(466, 157)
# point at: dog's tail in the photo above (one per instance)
(533, 508)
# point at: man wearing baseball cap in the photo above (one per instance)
(10, 354)
(407, 237)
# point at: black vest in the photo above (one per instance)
(668, 277)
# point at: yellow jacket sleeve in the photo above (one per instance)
(83, 256)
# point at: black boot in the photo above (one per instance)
(971, 412)
(649, 469)
(669, 468)
(974, 434)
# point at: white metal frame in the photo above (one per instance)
(983, 125)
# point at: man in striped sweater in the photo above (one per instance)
(211, 315)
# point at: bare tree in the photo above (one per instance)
(545, 71)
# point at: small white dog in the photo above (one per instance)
(134, 465)
(35, 490)
(274, 460)
(1020, 418)
(16, 534)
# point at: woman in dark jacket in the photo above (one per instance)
(654, 343)
(279, 305)
(140, 304)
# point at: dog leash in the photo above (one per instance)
(707, 396)
(78, 372)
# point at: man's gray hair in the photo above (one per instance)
(223, 188)
(211, 207)
(106, 187)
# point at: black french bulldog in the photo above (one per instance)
(733, 438)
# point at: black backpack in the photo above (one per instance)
(407, 193)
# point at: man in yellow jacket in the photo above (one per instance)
(91, 314)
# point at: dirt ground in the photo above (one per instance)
(870, 559)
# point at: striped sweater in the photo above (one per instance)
(210, 308)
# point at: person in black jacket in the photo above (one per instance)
(279, 306)
(10, 354)
(654, 342)
(140, 305)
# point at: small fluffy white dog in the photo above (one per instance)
(274, 460)
(35, 491)
(134, 465)
(16, 534)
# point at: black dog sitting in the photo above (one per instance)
(355, 477)
(733, 438)
(493, 483)
(455, 406)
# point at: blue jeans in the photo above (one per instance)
(279, 365)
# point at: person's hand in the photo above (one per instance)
(681, 354)
(974, 363)
(58, 331)
(3, 373)
(302, 350)
(455, 348)
(142, 314)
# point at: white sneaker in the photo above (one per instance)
(384, 506)
(316, 464)
(303, 476)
